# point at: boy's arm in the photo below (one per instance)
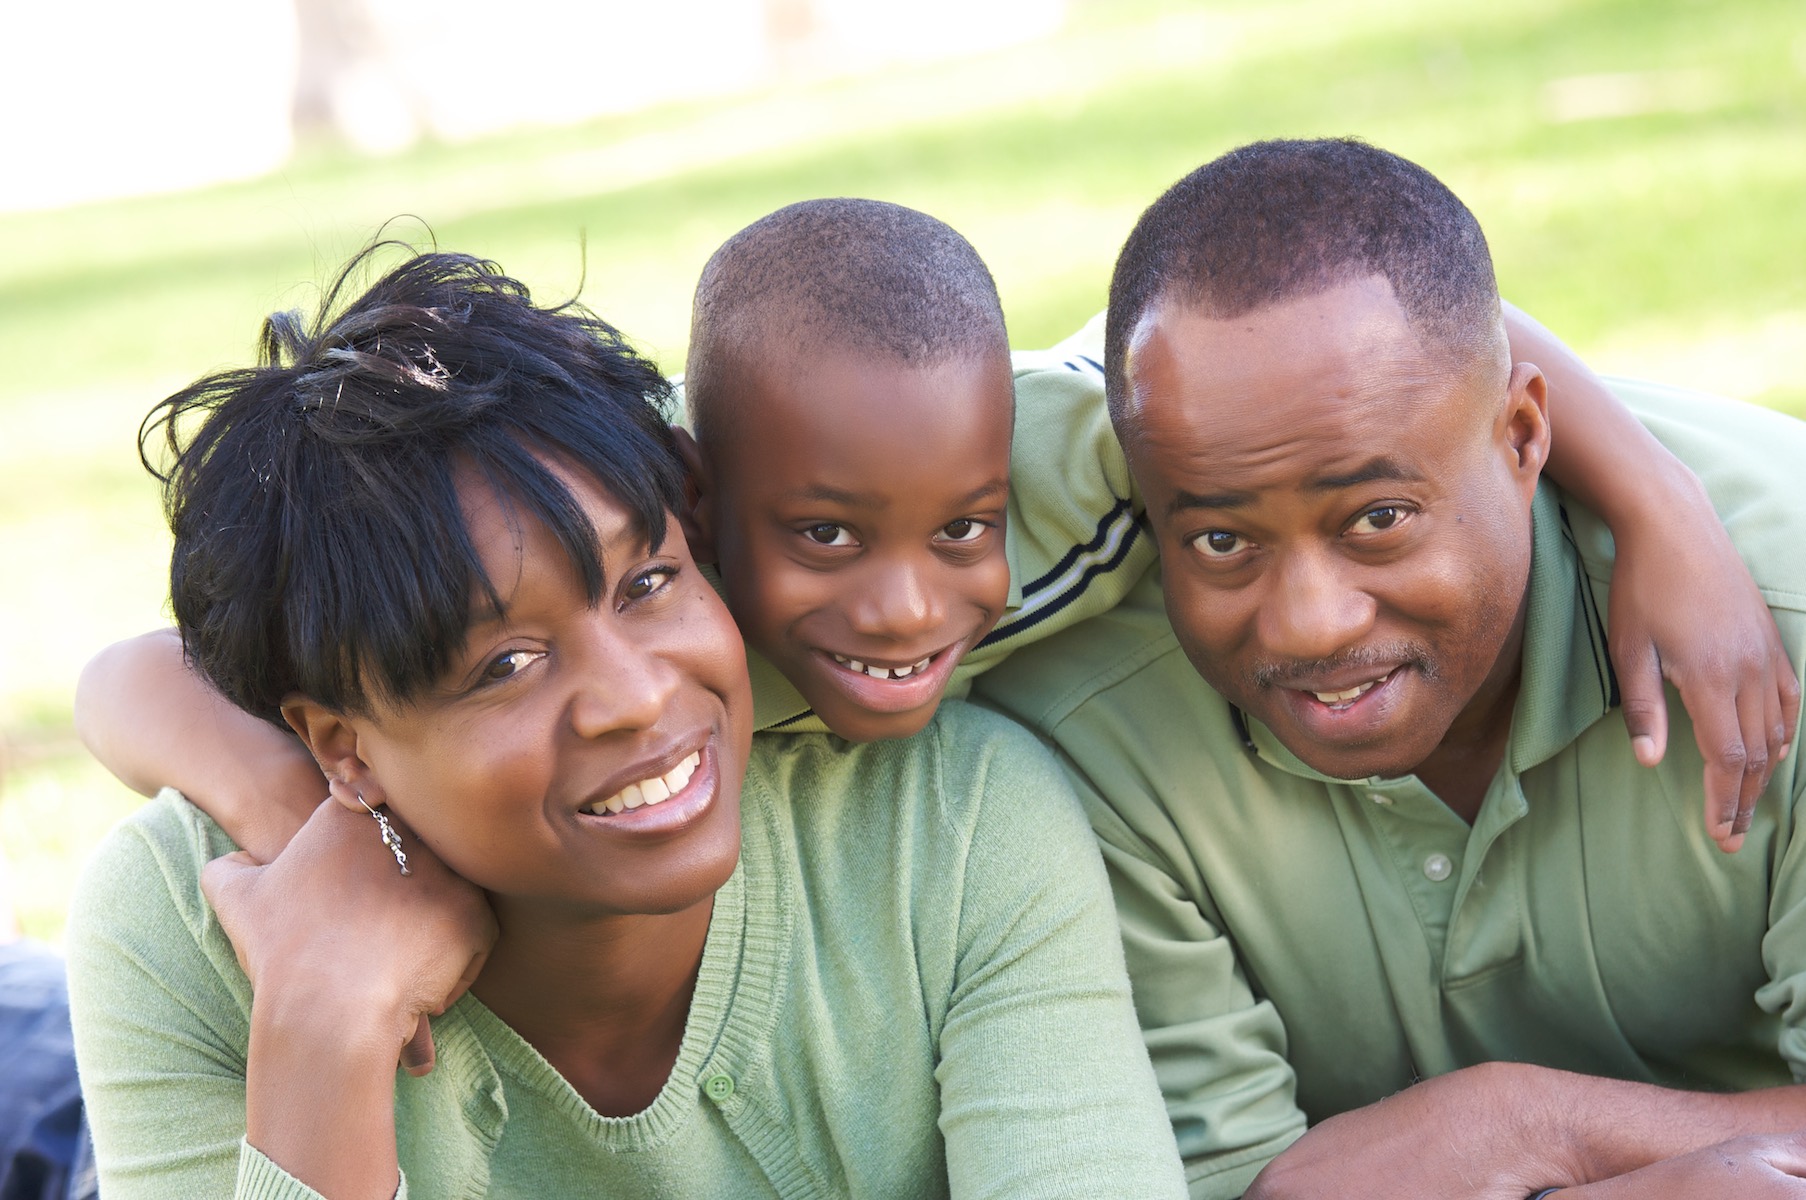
(151, 721)
(1683, 606)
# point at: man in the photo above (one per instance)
(1390, 834)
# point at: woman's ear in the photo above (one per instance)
(698, 515)
(331, 739)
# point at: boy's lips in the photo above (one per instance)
(896, 685)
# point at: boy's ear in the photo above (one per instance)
(698, 516)
(333, 743)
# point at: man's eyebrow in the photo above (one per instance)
(1182, 501)
(1374, 470)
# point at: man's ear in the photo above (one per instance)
(1527, 424)
(698, 515)
(332, 740)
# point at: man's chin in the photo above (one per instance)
(1369, 757)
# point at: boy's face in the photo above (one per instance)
(857, 512)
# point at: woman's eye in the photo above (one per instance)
(506, 665)
(1218, 543)
(963, 530)
(827, 534)
(648, 582)
(1379, 519)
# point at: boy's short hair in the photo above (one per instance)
(864, 276)
(1278, 220)
(320, 546)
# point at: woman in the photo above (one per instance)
(418, 547)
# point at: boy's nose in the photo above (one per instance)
(897, 602)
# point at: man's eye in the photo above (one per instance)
(827, 534)
(1378, 519)
(963, 530)
(648, 582)
(1218, 543)
(505, 665)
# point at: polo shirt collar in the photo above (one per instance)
(1568, 682)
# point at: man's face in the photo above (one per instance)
(1343, 518)
(857, 512)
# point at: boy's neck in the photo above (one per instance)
(605, 1001)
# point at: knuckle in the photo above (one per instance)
(1729, 757)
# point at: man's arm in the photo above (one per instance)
(1501, 1131)
(1683, 605)
(154, 723)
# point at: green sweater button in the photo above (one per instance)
(718, 1087)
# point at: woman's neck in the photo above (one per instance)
(604, 1000)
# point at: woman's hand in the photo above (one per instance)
(346, 957)
(1684, 608)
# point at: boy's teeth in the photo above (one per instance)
(650, 791)
(1353, 693)
(853, 664)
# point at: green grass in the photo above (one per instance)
(1640, 166)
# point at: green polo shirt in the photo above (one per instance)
(1301, 946)
(1075, 538)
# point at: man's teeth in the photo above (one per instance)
(650, 791)
(853, 664)
(1353, 693)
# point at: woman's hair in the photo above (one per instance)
(320, 546)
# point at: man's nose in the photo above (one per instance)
(1314, 608)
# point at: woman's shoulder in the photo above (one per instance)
(139, 897)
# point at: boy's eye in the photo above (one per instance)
(1379, 519)
(827, 534)
(963, 530)
(506, 665)
(1218, 543)
(648, 582)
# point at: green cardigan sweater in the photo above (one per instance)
(912, 987)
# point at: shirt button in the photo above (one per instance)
(1437, 867)
(718, 1087)
(1380, 798)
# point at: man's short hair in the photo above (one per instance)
(861, 276)
(1280, 220)
(320, 546)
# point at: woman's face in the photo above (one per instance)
(584, 758)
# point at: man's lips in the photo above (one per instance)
(1341, 693)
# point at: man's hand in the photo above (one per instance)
(1684, 608)
(1760, 1167)
(1471, 1133)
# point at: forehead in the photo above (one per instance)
(858, 419)
(1308, 388)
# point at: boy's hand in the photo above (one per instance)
(1684, 608)
(332, 926)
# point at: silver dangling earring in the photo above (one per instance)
(391, 839)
